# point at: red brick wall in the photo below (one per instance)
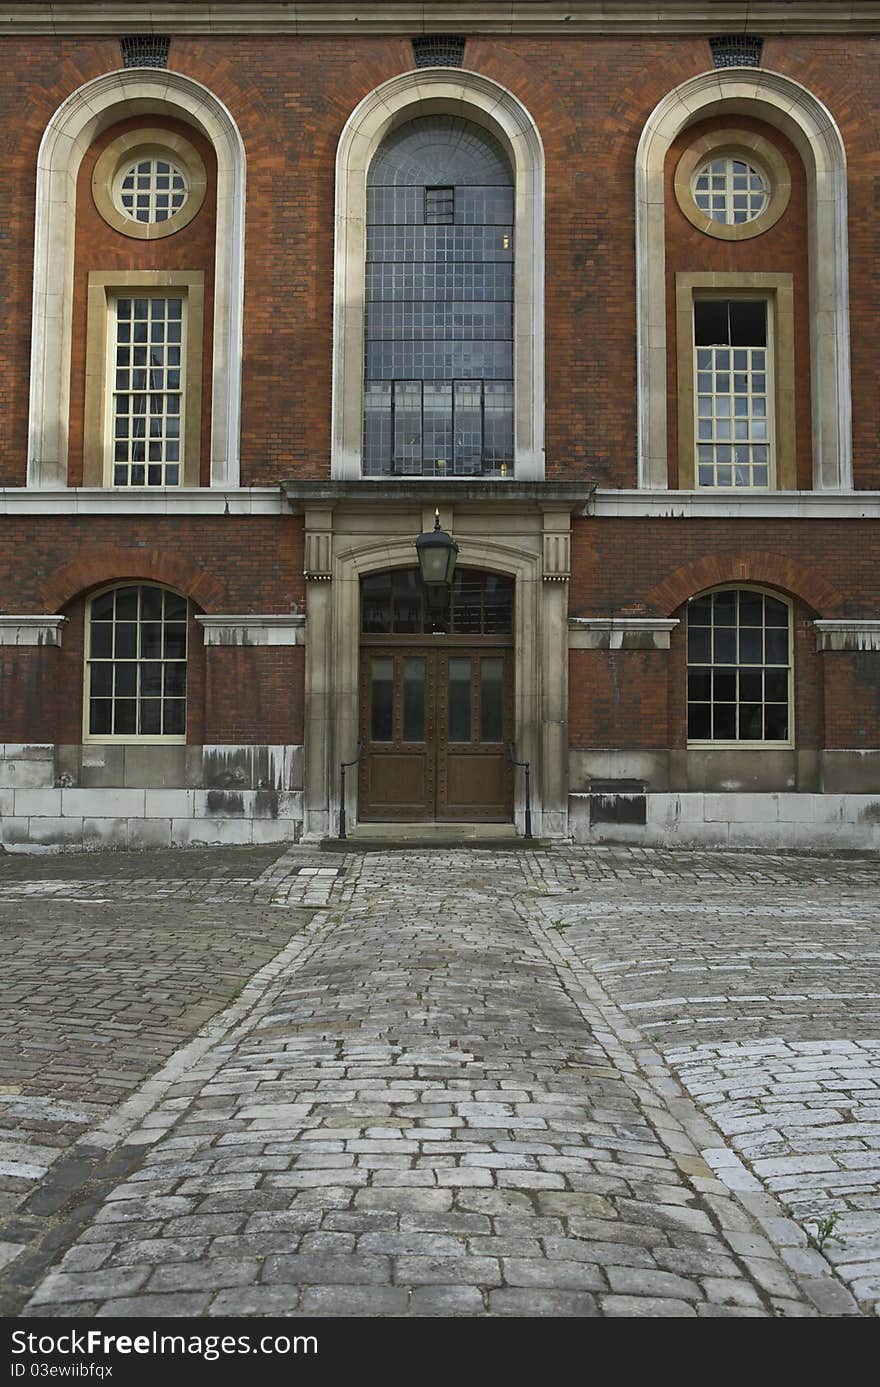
(254, 694)
(223, 564)
(618, 698)
(29, 687)
(590, 97)
(852, 698)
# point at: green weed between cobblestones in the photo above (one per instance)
(825, 1230)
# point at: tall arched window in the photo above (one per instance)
(438, 382)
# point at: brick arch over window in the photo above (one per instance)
(113, 564)
(761, 569)
(791, 108)
(433, 91)
(88, 111)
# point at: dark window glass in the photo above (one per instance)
(491, 700)
(382, 700)
(730, 323)
(438, 394)
(392, 603)
(459, 699)
(414, 699)
(742, 693)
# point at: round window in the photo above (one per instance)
(733, 184)
(149, 183)
(151, 190)
(731, 191)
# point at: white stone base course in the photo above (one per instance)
(703, 819)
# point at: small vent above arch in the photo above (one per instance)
(438, 50)
(144, 50)
(736, 50)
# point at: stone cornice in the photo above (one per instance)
(731, 505)
(172, 500)
(410, 18)
(406, 492)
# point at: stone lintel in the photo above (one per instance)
(847, 635)
(286, 628)
(31, 630)
(620, 632)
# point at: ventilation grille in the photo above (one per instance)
(144, 50)
(438, 50)
(736, 50)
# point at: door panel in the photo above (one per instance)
(475, 723)
(434, 726)
(396, 772)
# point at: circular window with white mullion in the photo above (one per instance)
(149, 183)
(732, 184)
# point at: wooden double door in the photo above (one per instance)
(435, 725)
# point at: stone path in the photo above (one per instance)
(431, 1102)
(756, 977)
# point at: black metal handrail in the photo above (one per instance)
(527, 767)
(342, 768)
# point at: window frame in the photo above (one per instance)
(148, 143)
(752, 148)
(743, 744)
(130, 738)
(104, 288)
(778, 292)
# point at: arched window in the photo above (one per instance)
(492, 129)
(438, 381)
(136, 642)
(739, 667)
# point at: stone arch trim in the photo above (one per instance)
(803, 118)
(760, 569)
(477, 98)
(109, 564)
(78, 120)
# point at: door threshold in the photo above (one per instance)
(378, 836)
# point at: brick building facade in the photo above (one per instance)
(599, 290)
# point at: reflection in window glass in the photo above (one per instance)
(459, 700)
(739, 692)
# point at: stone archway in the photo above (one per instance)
(84, 114)
(813, 131)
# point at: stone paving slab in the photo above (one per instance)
(109, 965)
(433, 1109)
(763, 997)
(442, 1101)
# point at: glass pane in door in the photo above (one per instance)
(491, 700)
(459, 700)
(414, 699)
(382, 700)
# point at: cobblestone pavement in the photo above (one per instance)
(442, 1097)
(756, 977)
(109, 965)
